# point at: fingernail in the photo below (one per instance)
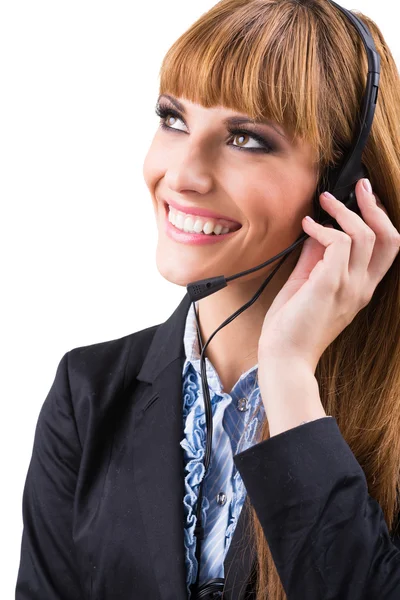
(367, 185)
(328, 195)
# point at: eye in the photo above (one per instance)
(165, 113)
(242, 135)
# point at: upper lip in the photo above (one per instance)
(200, 212)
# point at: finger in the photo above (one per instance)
(333, 268)
(362, 236)
(311, 253)
(373, 212)
(387, 240)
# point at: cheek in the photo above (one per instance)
(261, 190)
(250, 190)
(275, 204)
(261, 202)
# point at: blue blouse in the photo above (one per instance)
(224, 492)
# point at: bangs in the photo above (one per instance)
(260, 59)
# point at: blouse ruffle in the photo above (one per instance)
(194, 449)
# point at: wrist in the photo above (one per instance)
(290, 394)
(287, 376)
(284, 362)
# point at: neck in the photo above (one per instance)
(234, 349)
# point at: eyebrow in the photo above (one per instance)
(229, 121)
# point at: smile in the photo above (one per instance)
(195, 230)
(200, 225)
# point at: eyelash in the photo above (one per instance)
(164, 111)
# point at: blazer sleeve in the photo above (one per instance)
(327, 536)
(48, 569)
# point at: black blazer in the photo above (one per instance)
(103, 498)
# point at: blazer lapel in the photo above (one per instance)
(158, 466)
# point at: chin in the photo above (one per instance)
(177, 271)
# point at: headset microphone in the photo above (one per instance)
(341, 182)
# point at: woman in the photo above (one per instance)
(304, 385)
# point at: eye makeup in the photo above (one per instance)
(163, 110)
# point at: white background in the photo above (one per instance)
(78, 87)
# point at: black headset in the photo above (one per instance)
(341, 182)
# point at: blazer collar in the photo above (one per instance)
(167, 345)
(158, 467)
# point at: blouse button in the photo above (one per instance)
(221, 498)
(243, 404)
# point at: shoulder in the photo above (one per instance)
(90, 388)
(119, 358)
(94, 379)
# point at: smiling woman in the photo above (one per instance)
(257, 98)
(249, 135)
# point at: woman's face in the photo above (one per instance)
(199, 164)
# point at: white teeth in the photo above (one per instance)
(179, 221)
(188, 224)
(198, 226)
(208, 227)
(195, 224)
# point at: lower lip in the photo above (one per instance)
(198, 239)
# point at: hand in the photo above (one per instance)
(334, 278)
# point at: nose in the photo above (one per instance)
(190, 172)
